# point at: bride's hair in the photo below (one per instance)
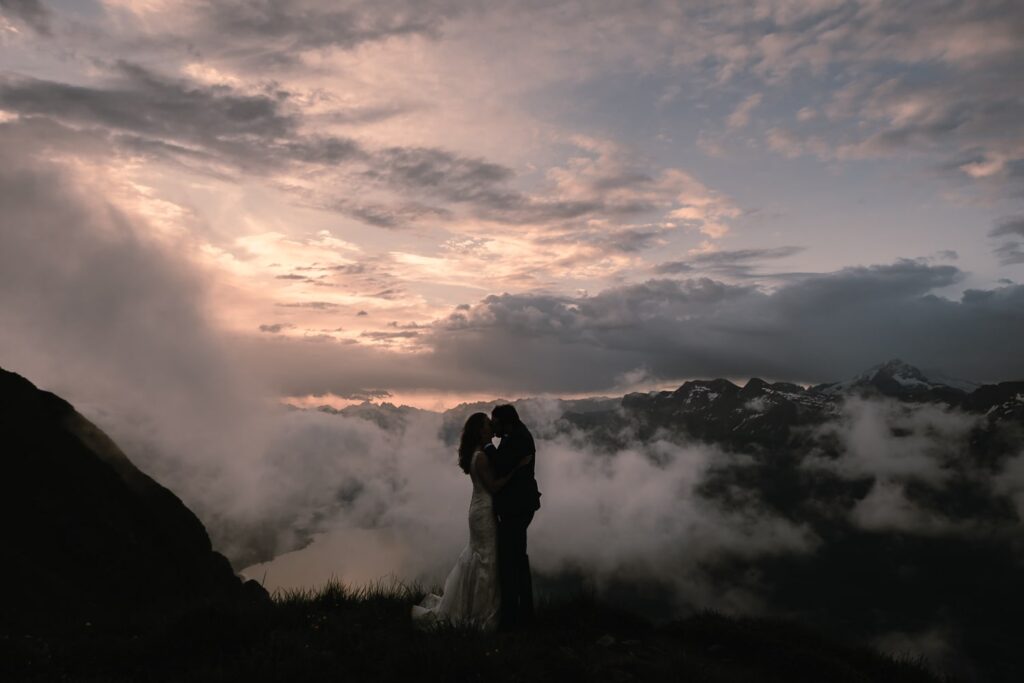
(470, 439)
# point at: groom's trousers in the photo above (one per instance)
(514, 571)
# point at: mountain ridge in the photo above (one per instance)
(86, 532)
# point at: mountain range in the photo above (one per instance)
(910, 487)
(758, 415)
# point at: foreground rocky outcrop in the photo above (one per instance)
(86, 535)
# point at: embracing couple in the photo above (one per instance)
(490, 586)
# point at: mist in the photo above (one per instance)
(631, 515)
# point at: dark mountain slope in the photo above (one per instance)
(85, 533)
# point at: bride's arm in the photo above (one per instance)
(490, 480)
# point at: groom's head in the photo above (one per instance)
(504, 418)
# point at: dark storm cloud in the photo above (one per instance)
(738, 255)
(735, 263)
(483, 186)
(1010, 253)
(1010, 227)
(33, 12)
(438, 174)
(148, 103)
(169, 117)
(458, 178)
(817, 328)
(672, 267)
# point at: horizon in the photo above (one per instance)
(444, 402)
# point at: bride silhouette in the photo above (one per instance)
(471, 594)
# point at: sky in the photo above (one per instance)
(440, 200)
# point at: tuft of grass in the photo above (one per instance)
(334, 593)
(357, 633)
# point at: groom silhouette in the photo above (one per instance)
(514, 506)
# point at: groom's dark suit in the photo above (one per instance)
(514, 505)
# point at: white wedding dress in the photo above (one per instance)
(471, 594)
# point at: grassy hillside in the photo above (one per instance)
(340, 634)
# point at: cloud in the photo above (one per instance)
(810, 328)
(275, 327)
(224, 132)
(317, 305)
(896, 443)
(730, 262)
(699, 327)
(887, 508)
(605, 177)
(969, 126)
(735, 255)
(740, 117)
(1010, 482)
(34, 13)
(210, 126)
(917, 79)
(216, 129)
(271, 34)
(386, 336)
(632, 515)
(1011, 251)
(1010, 227)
